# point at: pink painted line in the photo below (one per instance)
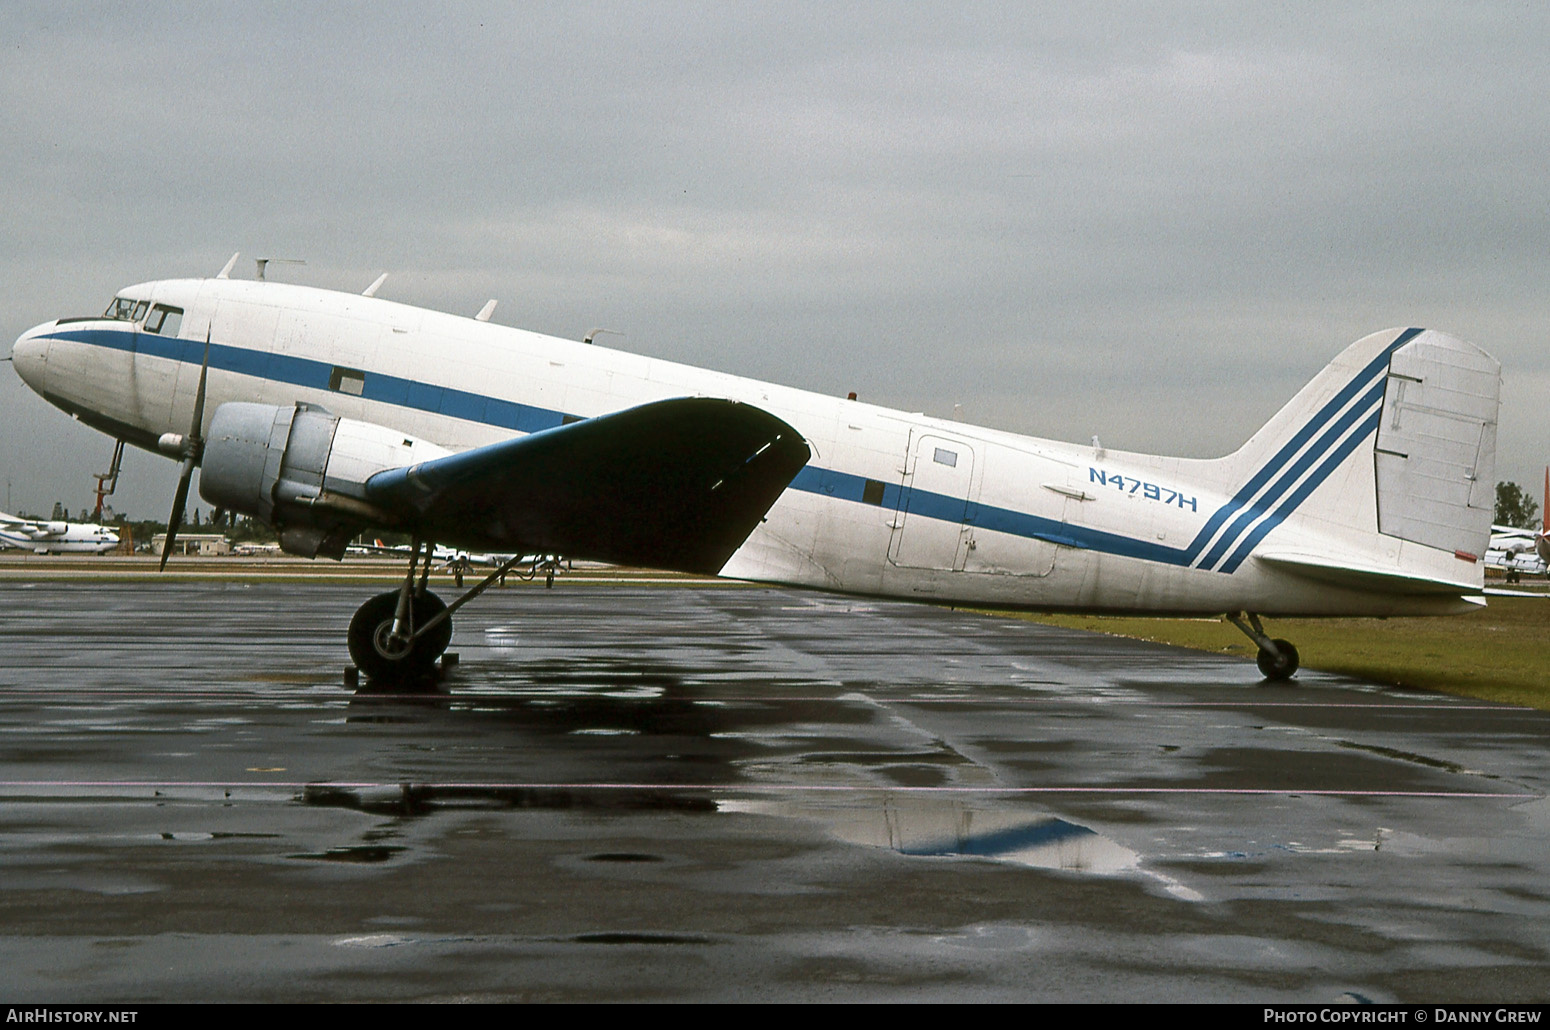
(759, 788)
(174, 697)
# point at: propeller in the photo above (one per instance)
(192, 447)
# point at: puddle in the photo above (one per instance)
(363, 854)
(412, 799)
(624, 856)
(373, 940)
(1410, 756)
(639, 938)
(933, 827)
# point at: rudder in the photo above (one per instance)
(1435, 452)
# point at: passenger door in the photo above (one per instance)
(932, 525)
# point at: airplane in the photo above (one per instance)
(1517, 551)
(440, 554)
(457, 562)
(327, 414)
(51, 536)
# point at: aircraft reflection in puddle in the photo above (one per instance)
(930, 826)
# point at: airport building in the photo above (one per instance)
(203, 545)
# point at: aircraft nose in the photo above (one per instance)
(29, 355)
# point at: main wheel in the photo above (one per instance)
(1278, 667)
(380, 657)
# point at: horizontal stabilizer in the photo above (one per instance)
(676, 484)
(1363, 577)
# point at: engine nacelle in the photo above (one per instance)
(303, 470)
(51, 529)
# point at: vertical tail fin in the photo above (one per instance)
(1395, 438)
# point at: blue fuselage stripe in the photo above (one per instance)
(1259, 513)
(315, 375)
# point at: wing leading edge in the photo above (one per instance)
(676, 484)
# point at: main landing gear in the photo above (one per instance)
(384, 645)
(1277, 659)
(396, 637)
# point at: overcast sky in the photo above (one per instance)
(1152, 223)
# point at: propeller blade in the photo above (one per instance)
(193, 451)
(199, 395)
(175, 520)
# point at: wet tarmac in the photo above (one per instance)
(699, 793)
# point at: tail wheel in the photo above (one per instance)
(379, 656)
(1278, 666)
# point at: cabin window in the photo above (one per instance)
(872, 492)
(347, 380)
(946, 457)
(164, 321)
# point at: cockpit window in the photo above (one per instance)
(126, 309)
(164, 320)
(122, 308)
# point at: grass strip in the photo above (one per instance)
(1500, 653)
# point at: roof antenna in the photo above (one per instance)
(589, 337)
(371, 291)
(486, 311)
(225, 273)
(263, 262)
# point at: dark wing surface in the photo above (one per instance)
(676, 484)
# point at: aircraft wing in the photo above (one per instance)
(33, 530)
(676, 484)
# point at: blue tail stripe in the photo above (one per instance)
(1292, 446)
(1292, 473)
(1290, 504)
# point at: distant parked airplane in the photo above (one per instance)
(458, 562)
(48, 536)
(1519, 552)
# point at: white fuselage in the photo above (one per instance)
(890, 504)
